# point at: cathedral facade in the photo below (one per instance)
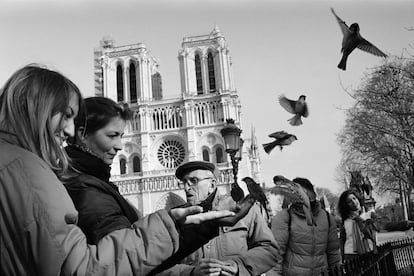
(164, 133)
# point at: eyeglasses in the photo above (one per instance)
(192, 181)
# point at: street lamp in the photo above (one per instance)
(234, 144)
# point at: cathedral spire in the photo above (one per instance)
(254, 148)
(216, 31)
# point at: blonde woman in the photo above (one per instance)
(39, 235)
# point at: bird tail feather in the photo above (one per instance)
(295, 120)
(269, 146)
(342, 63)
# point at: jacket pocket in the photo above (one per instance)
(233, 240)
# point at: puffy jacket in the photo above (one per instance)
(39, 235)
(306, 250)
(249, 243)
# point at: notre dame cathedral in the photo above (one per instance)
(164, 133)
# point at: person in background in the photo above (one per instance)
(306, 249)
(247, 248)
(357, 235)
(38, 231)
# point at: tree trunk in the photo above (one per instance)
(403, 200)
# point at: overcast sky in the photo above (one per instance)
(277, 47)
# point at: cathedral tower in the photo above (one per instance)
(164, 133)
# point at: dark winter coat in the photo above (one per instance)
(102, 209)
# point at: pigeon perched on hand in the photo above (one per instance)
(257, 193)
(299, 108)
(352, 39)
(296, 193)
(282, 138)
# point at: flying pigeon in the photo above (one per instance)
(299, 108)
(352, 39)
(296, 193)
(282, 138)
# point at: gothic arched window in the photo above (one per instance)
(219, 155)
(122, 165)
(198, 74)
(119, 84)
(156, 86)
(206, 155)
(133, 83)
(136, 164)
(211, 76)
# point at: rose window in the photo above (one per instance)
(171, 154)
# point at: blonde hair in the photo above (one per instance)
(28, 101)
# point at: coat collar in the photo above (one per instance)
(87, 163)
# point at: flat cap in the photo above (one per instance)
(192, 166)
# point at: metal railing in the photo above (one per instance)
(394, 258)
(156, 181)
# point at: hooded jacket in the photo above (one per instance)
(39, 235)
(306, 250)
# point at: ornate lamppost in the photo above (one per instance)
(233, 142)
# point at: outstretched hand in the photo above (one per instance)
(241, 210)
(194, 215)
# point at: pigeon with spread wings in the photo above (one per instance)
(352, 39)
(299, 108)
(282, 138)
(296, 193)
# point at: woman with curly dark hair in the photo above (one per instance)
(357, 231)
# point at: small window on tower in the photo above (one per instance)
(122, 165)
(133, 82)
(136, 164)
(198, 75)
(119, 84)
(206, 155)
(219, 155)
(211, 77)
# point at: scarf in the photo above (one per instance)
(362, 232)
(86, 162)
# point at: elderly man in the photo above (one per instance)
(247, 248)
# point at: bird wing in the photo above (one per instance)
(289, 140)
(344, 28)
(278, 134)
(296, 194)
(292, 190)
(368, 47)
(287, 104)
